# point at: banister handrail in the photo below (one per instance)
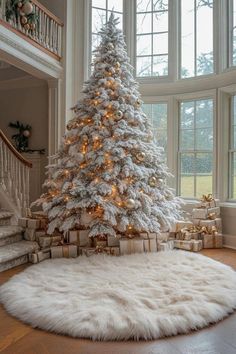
(48, 12)
(14, 151)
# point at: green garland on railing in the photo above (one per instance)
(23, 12)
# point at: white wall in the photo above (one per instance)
(57, 7)
(28, 105)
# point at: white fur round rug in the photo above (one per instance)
(142, 296)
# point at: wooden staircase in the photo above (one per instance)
(14, 201)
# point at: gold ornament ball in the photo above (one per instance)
(117, 65)
(118, 115)
(26, 133)
(27, 27)
(160, 181)
(27, 8)
(24, 20)
(141, 156)
(85, 139)
(110, 46)
(152, 181)
(138, 103)
(130, 203)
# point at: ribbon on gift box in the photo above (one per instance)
(207, 197)
(209, 230)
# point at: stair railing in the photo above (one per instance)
(14, 174)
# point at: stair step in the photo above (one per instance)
(5, 217)
(9, 230)
(16, 254)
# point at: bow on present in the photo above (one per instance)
(191, 229)
(209, 230)
(207, 197)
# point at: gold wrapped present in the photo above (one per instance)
(184, 245)
(79, 237)
(206, 213)
(100, 241)
(150, 245)
(207, 201)
(39, 256)
(48, 241)
(29, 234)
(129, 246)
(178, 225)
(212, 240)
(66, 251)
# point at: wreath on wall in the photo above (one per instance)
(23, 12)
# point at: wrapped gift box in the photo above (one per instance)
(115, 251)
(23, 222)
(39, 256)
(34, 224)
(205, 222)
(197, 245)
(80, 237)
(66, 251)
(163, 236)
(29, 234)
(166, 246)
(100, 241)
(150, 245)
(212, 241)
(208, 204)
(38, 234)
(113, 241)
(178, 225)
(148, 235)
(205, 213)
(48, 241)
(129, 246)
(184, 245)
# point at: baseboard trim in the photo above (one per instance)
(230, 247)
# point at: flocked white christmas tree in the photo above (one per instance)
(109, 169)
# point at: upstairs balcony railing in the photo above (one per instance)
(45, 33)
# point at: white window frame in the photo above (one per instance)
(230, 33)
(211, 94)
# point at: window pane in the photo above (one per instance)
(144, 23)
(204, 42)
(99, 3)
(157, 113)
(115, 5)
(204, 113)
(99, 19)
(196, 38)
(160, 65)
(159, 5)
(234, 47)
(187, 139)
(196, 167)
(204, 174)
(160, 43)
(187, 175)
(187, 38)
(152, 20)
(144, 66)
(144, 45)
(204, 139)
(144, 5)
(233, 175)
(160, 22)
(187, 115)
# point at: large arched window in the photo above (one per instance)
(184, 57)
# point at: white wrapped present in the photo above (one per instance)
(150, 245)
(113, 241)
(34, 223)
(80, 237)
(66, 251)
(184, 245)
(163, 236)
(39, 256)
(180, 224)
(129, 246)
(204, 222)
(148, 235)
(166, 246)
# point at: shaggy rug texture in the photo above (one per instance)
(144, 296)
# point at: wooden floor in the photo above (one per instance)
(16, 338)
